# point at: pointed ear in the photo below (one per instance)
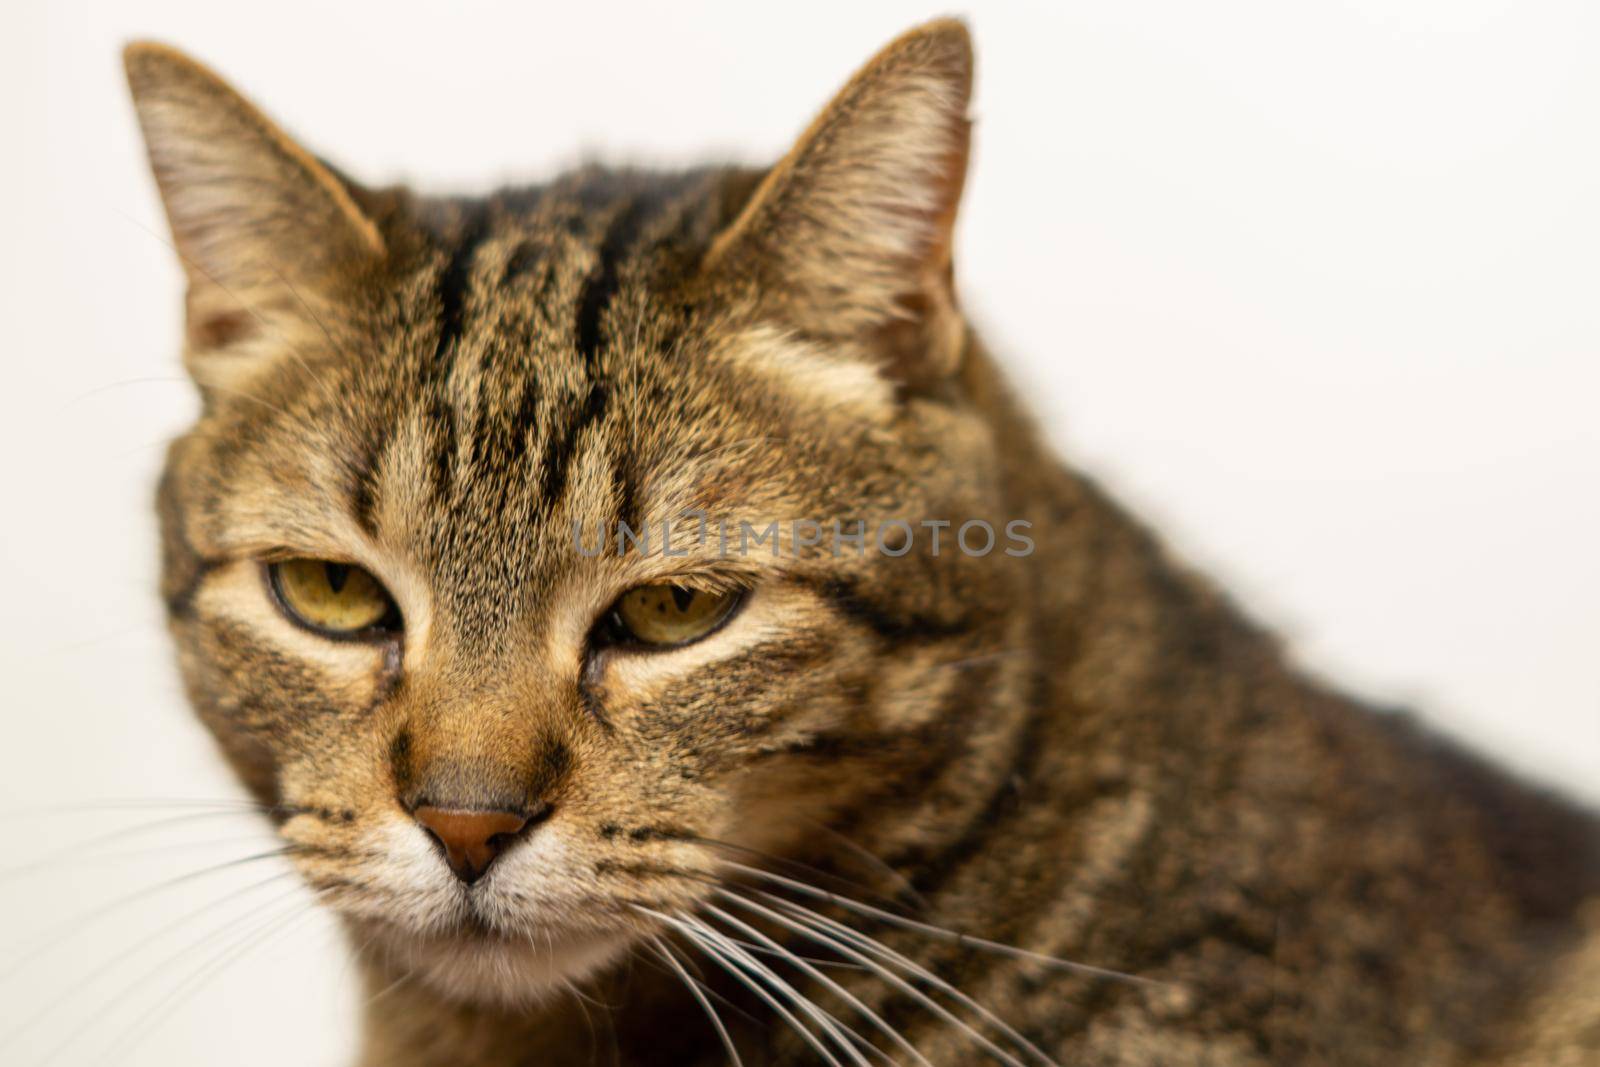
(258, 222)
(849, 236)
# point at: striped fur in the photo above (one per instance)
(1084, 753)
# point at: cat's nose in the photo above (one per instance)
(471, 839)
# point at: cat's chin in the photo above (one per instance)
(479, 967)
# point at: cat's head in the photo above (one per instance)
(500, 751)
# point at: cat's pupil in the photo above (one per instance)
(337, 574)
(682, 597)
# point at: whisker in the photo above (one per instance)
(794, 865)
(705, 985)
(131, 804)
(579, 994)
(784, 954)
(154, 379)
(87, 855)
(730, 964)
(689, 963)
(873, 861)
(250, 310)
(814, 926)
(359, 953)
(745, 442)
(588, 1020)
(122, 383)
(123, 631)
(390, 988)
(241, 395)
(700, 996)
(177, 996)
(940, 932)
(844, 994)
(840, 1034)
(52, 937)
(107, 966)
(322, 383)
(979, 660)
(140, 983)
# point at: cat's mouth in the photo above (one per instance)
(477, 924)
(528, 926)
(485, 919)
(474, 926)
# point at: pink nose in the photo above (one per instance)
(471, 839)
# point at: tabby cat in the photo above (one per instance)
(840, 797)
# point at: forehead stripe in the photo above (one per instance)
(601, 284)
(453, 283)
(593, 300)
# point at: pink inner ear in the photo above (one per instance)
(221, 329)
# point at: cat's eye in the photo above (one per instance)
(335, 599)
(663, 616)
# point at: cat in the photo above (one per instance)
(839, 792)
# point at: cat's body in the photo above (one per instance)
(1082, 752)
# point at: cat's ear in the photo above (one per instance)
(849, 236)
(258, 222)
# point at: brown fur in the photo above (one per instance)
(1084, 752)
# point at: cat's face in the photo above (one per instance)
(501, 753)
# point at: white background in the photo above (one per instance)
(1313, 286)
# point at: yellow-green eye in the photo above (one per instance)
(666, 615)
(338, 599)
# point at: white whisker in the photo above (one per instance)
(940, 932)
(107, 966)
(248, 308)
(87, 847)
(842, 1035)
(871, 860)
(278, 924)
(52, 938)
(730, 963)
(844, 994)
(700, 996)
(806, 929)
(131, 989)
(66, 858)
(390, 988)
(131, 804)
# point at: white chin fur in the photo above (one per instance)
(507, 973)
(547, 940)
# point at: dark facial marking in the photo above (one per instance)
(595, 297)
(400, 760)
(894, 629)
(551, 766)
(602, 283)
(364, 482)
(523, 259)
(452, 289)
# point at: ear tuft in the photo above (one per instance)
(248, 207)
(849, 236)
